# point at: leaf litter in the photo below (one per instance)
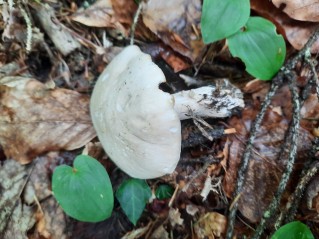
(38, 121)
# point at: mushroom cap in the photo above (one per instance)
(135, 121)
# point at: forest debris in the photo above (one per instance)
(124, 12)
(304, 10)
(176, 23)
(53, 222)
(265, 168)
(60, 35)
(210, 225)
(15, 219)
(21, 220)
(160, 233)
(100, 14)
(35, 119)
(296, 32)
(137, 233)
(174, 216)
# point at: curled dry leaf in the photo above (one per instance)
(296, 32)
(304, 10)
(35, 119)
(177, 24)
(265, 167)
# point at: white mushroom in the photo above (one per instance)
(137, 123)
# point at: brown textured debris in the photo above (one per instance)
(35, 119)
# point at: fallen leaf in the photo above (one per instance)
(304, 10)
(265, 167)
(177, 24)
(160, 233)
(124, 13)
(21, 220)
(175, 217)
(99, 14)
(296, 32)
(35, 120)
(52, 223)
(62, 37)
(210, 225)
(15, 218)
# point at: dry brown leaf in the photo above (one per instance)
(124, 12)
(210, 225)
(100, 14)
(265, 168)
(304, 10)
(177, 23)
(296, 32)
(15, 218)
(35, 119)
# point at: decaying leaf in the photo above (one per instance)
(176, 23)
(15, 219)
(304, 10)
(175, 217)
(296, 32)
(265, 167)
(160, 233)
(60, 35)
(100, 14)
(21, 220)
(211, 225)
(35, 119)
(124, 12)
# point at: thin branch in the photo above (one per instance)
(314, 79)
(290, 64)
(293, 136)
(246, 156)
(294, 200)
(135, 20)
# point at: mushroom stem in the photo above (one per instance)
(214, 101)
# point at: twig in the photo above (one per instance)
(294, 200)
(135, 20)
(290, 64)
(246, 156)
(293, 136)
(29, 27)
(314, 79)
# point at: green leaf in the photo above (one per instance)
(133, 194)
(164, 191)
(259, 46)
(84, 191)
(293, 230)
(222, 18)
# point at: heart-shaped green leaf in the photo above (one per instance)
(259, 46)
(133, 194)
(222, 18)
(84, 191)
(293, 230)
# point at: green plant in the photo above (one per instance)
(164, 191)
(293, 230)
(84, 191)
(133, 194)
(253, 39)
